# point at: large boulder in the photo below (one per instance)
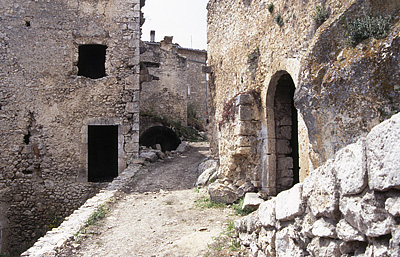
(222, 193)
(251, 202)
(289, 203)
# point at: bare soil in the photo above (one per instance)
(157, 214)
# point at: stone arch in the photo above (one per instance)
(161, 135)
(281, 165)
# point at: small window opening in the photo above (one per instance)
(27, 23)
(91, 61)
(27, 138)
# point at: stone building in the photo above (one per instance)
(69, 107)
(288, 88)
(173, 87)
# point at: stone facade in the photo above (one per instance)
(68, 67)
(287, 91)
(173, 85)
(347, 207)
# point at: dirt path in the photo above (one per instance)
(156, 215)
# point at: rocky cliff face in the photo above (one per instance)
(346, 88)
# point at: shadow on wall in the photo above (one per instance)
(163, 136)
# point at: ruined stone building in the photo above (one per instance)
(69, 107)
(173, 88)
(291, 83)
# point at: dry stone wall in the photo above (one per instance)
(341, 90)
(347, 207)
(46, 105)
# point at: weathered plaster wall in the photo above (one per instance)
(175, 81)
(249, 52)
(45, 107)
(347, 207)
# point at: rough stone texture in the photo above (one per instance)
(334, 223)
(205, 176)
(351, 175)
(221, 193)
(176, 86)
(324, 247)
(46, 108)
(149, 156)
(383, 155)
(289, 203)
(348, 233)
(207, 164)
(267, 213)
(182, 147)
(251, 201)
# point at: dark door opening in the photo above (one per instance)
(286, 131)
(91, 61)
(102, 153)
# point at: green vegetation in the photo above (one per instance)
(320, 15)
(237, 207)
(271, 7)
(225, 243)
(99, 214)
(206, 202)
(279, 20)
(367, 26)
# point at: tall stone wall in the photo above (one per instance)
(350, 206)
(175, 82)
(46, 107)
(253, 47)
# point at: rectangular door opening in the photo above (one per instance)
(102, 153)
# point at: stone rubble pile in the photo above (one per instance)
(153, 155)
(350, 206)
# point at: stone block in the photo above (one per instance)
(392, 206)
(283, 146)
(132, 107)
(245, 113)
(394, 243)
(132, 82)
(244, 99)
(205, 176)
(367, 214)
(383, 158)
(266, 213)
(289, 203)
(348, 233)
(323, 228)
(221, 193)
(251, 201)
(284, 132)
(324, 247)
(287, 242)
(248, 224)
(149, 156)
(350, 167)
(285, 163)
(245, 128)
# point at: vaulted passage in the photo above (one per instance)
(286, 132)
(91, 62)
(164, 136)
(102, 153)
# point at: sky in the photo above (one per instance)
(185, 20)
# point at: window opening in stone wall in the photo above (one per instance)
(165, 137)
(91, 61)
(27, 23)
(102, 153)
(286, 132)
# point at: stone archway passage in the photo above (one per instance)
(286, 134)
(102, 153)
(163, 136)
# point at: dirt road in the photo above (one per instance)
(156, 215)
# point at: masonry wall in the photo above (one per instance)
(347, 207)
(251, 47)
(175, 82)
(46, 108)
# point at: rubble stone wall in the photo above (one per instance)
(350, 206)
(46, 108)
(175, 81)
(339, 95)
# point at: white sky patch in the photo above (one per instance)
(185, 20)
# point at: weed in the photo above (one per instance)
(271, 7)
(320, 15)
(226, 242)
(279, 20)
(99, 214)
(237, 207)
(367, 26)
(196, 190)
(206, 202)
(169, 203)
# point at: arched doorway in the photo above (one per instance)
(164, 136)
(281, 168)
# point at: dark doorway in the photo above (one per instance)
(163, 136)
(286, 132)
(102, 153)
(91, 61)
